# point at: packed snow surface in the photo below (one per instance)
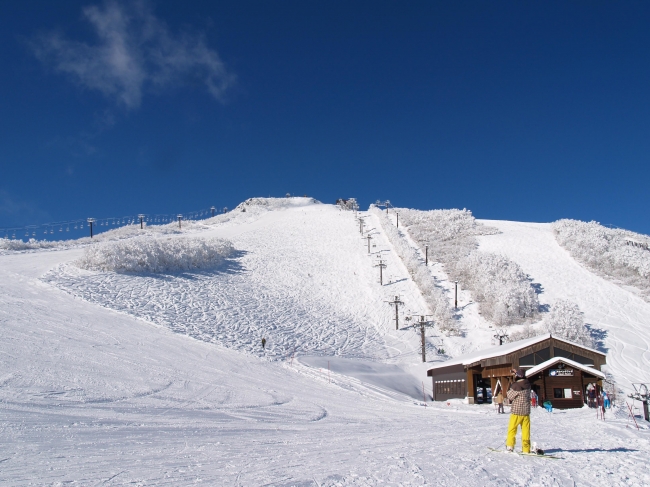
(120, 378)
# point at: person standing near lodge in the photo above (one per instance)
(519, 397)
(533, 398)
(499, 401)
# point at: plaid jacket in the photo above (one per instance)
(519, 396)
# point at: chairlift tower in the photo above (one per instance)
(423, 323)
(180, 217)
(396, 302)
(382, 265)
(213, 209)
(141, 217)
(90, 223)
(369, 238)
(501, 336)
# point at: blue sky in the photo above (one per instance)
(527, 111)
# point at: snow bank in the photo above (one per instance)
(500, 286)
(433, 295)
(616, 253)
(157, 255)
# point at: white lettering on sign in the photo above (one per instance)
(561, 372)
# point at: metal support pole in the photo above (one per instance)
(424, 352)
(426, 255)
(141, 217)
(90, 222)
(213, 209)
(180, 217)
(397, 219)
(456, 294)
(381, 266)
(368, 237)
(396, 302)
(646, 414)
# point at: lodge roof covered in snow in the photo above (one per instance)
(480, 356)
(572, 363)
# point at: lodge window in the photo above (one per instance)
(455, 387)
(558, 352)
(535, 358)
(562, 393)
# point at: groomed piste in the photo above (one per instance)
(118, 370)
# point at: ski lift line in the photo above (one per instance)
(82, 224)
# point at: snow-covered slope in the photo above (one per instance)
(619, 317)
(143, 379)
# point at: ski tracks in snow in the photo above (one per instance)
(303, 281)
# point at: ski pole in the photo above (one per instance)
(632, 414)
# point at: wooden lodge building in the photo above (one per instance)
(559, 371)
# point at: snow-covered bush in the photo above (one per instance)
(501, 287)
(31, 244)
(120, 233)
(616, 253)
(433, 294)
(498, 284)
(565, 320)
(147, 254)
(527, 331)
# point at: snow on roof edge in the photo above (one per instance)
(491, 352)
(572, 363)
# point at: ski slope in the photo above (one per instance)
(617, 316)
(114, 379)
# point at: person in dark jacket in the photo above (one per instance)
(519, 397)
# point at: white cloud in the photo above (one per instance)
(134, 52)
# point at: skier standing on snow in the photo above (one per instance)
(519, 397)
(499, 400)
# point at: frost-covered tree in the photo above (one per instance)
(149, 254)
(499, 285)
(565, 320)
(612, 252)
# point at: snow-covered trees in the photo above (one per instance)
(433, 295)
(565, 320)
(500, 286)
(616, 253)
(147, 254)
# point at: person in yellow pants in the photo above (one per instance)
(519, 397)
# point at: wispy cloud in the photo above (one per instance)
(134, 52)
